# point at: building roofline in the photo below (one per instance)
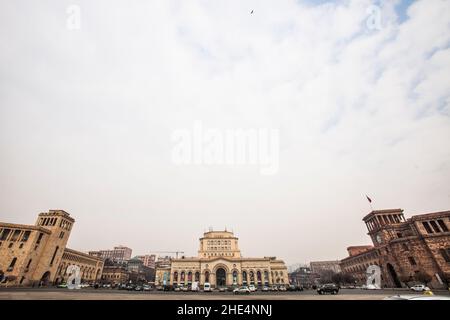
(425, 216)
(24, 226)
(373, 212)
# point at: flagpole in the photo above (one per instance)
(370, 202)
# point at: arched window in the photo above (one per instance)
(182, 276)
(252, 277)
(189, 276)
(197, 276)
(235, 277)
(206, 276)
(266, 276)
(175, 277)
(258, 276)
(244, 277)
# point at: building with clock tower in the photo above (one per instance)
(406, 250)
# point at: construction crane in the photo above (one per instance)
(176, 252)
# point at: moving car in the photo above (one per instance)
(242, 290)
(328, 288)
(420, 288)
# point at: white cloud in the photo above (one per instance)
(90, 112)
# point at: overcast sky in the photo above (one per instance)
(362, 106)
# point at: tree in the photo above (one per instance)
(326, 276)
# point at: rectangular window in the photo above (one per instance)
(412, 261)
(445, 253)
(12, 264)
(39, 238)
(443, 226)
(427, 227)
(435, 226)
(5, 234)
(26, 235)
(15, 235)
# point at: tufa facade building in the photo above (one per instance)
(407, 250)
(37, 254)
(220, 263)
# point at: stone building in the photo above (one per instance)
(219, 262)
(406, 250)
(303, 276)
(115, 274)
(149, 260)
(32, 254)
(321, 266)
(90, 267)
(118, 254)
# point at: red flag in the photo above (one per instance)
(368, 199)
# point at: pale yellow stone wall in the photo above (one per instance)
(219, 251)
(90, 267)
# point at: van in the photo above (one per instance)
(207, 287)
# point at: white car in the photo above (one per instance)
(251, 288)
(416, 297)
(420, 288)
(373, 287)
(242, 290)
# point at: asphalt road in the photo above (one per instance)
(112, 294)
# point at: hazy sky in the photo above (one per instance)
(362, 106)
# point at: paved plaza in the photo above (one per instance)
(105, 294)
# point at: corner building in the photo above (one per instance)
(404, 249)
(219, 262)
(37, 254)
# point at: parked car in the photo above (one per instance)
(242, 290)
(373, 287)
(62, 285)
(222, 289)
(265, 289)
(185, 289)
(147, 287)
(123, 287)
(420, 288)
(328, 288)
(274, 288)
(177, 289)
(207, 287)
(252, 288)
(130, 287)
(416, 297)
(282, 288)
(138, 288)
(291, 287)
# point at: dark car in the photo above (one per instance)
(328, 288)
(291, 287)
